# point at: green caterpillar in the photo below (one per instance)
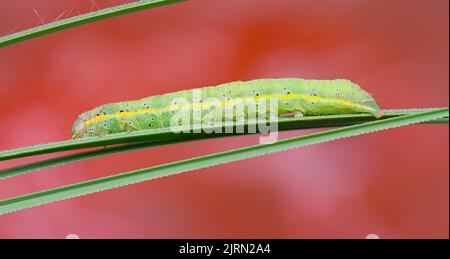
(294, 96)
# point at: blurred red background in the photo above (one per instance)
(393, 183)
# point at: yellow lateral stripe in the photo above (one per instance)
(119, 114)
(230, 103)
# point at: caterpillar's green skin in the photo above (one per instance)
(319, 97)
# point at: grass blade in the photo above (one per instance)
(52, 162)
(81, 19)
(72, 158)
(306, 122)
(87, 187)
(80, 156)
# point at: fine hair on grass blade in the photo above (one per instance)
(82, 19)
(307, 122)
(87, 187)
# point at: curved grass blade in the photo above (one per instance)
(87, 187)
(307, 122)
(81, 19)
(72, 158)
(52, 162)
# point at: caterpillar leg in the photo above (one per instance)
(129, 127)
(102, 133)
(208, 121)
(295, 114)
(263, 116)
(299, 111)
(298, 114)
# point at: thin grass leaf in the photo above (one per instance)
(52, 162)
(82, 19)
(72, 158)
(307, 122)
(80, 156)
(87, 187)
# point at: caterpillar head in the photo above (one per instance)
(79, 128)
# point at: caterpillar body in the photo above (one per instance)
(294, 96)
